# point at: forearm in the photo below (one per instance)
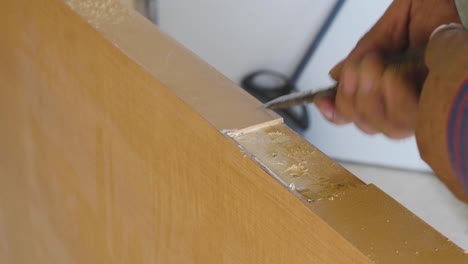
(443, 115)
(436, 138)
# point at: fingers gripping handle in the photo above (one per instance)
(410, 65)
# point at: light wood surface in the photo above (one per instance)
(101, 163)
(113, 151)
(129, 3)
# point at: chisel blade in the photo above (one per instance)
(299, 98)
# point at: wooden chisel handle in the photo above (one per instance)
(410, 65)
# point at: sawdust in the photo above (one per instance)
(276, 134)
(297, 170)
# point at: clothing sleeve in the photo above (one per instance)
(457, 134)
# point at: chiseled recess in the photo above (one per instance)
(294, 162)
(381, 228)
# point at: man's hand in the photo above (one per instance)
(372, 94)
(447, 60)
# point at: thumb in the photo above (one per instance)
(442, 42)
(335, 72)
(452, 27)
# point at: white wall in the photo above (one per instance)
(244, 35)
(238, 37)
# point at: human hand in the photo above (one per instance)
(372, 94)
(446, 57)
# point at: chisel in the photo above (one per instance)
(410, 64)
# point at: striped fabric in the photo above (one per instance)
(457, 136)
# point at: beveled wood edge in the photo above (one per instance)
(209, 93)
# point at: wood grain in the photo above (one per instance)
(101, 162)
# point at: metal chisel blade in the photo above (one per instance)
(299, 98)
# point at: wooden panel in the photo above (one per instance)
(102, 163)
(111, 152)
(129, 3)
